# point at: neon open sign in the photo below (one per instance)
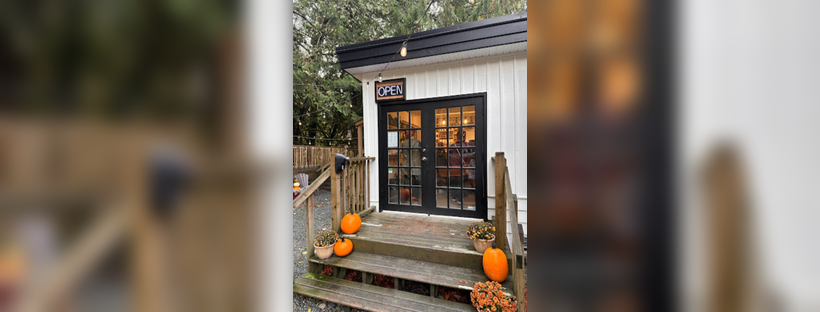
(390, 90)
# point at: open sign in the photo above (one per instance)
(390, 90)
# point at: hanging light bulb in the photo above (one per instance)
(404, 49)
(380, 77)
(323, 114)
(300, 121)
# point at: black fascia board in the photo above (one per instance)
(463, 37)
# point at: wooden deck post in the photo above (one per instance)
(361, 141)
(335, 199)
(500, 219)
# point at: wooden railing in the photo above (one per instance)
(350, 190)
(356, 182)
(505, 200)
(349, 193)
(307, 195)
(305, 157)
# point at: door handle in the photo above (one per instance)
(423, 158)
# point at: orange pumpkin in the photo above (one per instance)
(495, 264)
(343, 247)
(405, 195)
(351, 223)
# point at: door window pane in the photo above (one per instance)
(441, 137)
(441, 157)
(469, 115)
(454, 157)
(405, 178)
(415, 119)
(392, 120)
(404, 120)
(415, 198)
(393, 195)
(411, 138)
(393, 157)
(469, 178)
(469, 136)
(455, 116)
(404, 199)
(392, 139)
(469, 200)
(441, 117)
(404, 138)
(404, 158)
(415, 176)
(441, 177)
(468, 157)
(455, 177)
(441, 198)
(392, 176)
(415, 138)
(455, 199)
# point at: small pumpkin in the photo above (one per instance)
(343, 247)
(351, 223)
(495, 265)
(296, 187)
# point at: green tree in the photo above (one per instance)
(320, 26)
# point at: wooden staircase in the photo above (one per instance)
(407, 247)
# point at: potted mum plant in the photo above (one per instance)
(323, 244)
(489, 297)
(483, 235)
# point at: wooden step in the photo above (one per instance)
(369, 297)
(414, 270)
(425, 238)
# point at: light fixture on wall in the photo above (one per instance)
(380, 77)
(368, 84)
(404, 49)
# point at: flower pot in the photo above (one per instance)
(482, 244)
(324, 252)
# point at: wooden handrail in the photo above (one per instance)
(97, 242)
(310, 189)
(506, 200)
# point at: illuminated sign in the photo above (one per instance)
(391, 90)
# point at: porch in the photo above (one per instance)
(434, 251)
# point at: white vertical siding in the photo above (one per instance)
(503, 77)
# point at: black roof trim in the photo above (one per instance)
(463, 37)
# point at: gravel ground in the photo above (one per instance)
(322, 214)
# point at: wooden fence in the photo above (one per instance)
(307, 157)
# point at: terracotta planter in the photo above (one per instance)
(481, 244)
(324, 252)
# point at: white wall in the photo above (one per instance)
(504, 78)
(751, 72)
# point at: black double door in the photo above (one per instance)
(432, 156)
